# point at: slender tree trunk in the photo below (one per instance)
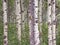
(5, 22)
(18, 19)
(40, 20)
(49, 23)
(23, 19)
(36, 32)
(31, 21)
(23, 14)
(53, 23)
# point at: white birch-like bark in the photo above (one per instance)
(18, 19)
(36, 32)
(31, 21)
(5, 22)
(49, 23)
(40, 20)
(53, 23)
(23, 14)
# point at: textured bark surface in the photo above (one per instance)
(53, 23)
(49, 23)
(36, 32)
(18, 19)
(5, 22)
(23, 13)
(31, 21)
(40, 20)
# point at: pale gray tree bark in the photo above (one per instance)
(36, 32)
(40, 20)
(22, 14)
(5, 22)
(49, 23)
(18, 19)
(31, 21)
(53, 23)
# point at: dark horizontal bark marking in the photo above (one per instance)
(36, 21)
(53, 39)
(53, 2)
(54, 22)
(22, 11)
(23, 21)
(5, 0)
(49, 23)
(18, 2)
(23, 3)
(5, 9)
(5, 41)
(6, 23)
(49, 4)
(5, 37)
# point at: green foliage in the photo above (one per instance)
(26, 3)
(0, 4)
(58, 4)
(58, 35)
(1, 33)
(45, 34)
(11, 2)
(25, 35)
(12, 34)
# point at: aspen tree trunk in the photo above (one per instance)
(23, 19)
(53, 23)
(40, 20)
(31, 21)
(49, 23)
(23, 13)
(5, 22)
(18, 19)
(36, 32)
